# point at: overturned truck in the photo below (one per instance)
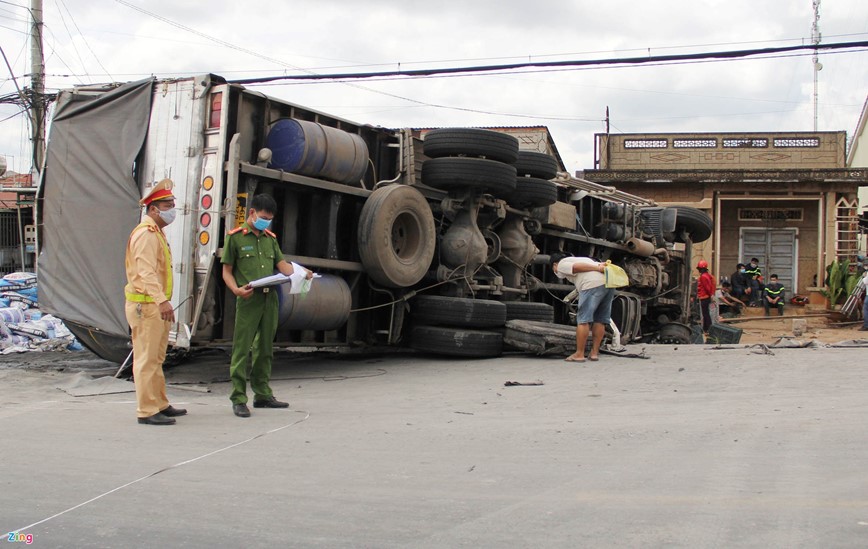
(432, 243)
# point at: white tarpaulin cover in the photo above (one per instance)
(90, 203)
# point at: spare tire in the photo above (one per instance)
(536, 164)
(459, 173)
(695, 222)
(456, 341)
(396, 236)
(471, 142)
(532, 192)
(528, 310)
(541, 338)
(457, 311)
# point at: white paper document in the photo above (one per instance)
(299, 284)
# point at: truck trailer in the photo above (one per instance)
(433, 240)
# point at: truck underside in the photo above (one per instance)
(431, 243)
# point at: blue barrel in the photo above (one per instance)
(325, 307)
(311, 149)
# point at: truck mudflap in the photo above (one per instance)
(111, 347)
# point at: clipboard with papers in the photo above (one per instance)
(299, 283)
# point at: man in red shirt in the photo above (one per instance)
(705, 292)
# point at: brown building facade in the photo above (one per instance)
(785, 198)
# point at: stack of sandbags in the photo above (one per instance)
(23, 327)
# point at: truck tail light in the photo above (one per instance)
(216, 107)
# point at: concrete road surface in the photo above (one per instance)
(694, 447)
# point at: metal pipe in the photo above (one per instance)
(641, 248)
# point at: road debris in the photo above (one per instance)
(522, 383)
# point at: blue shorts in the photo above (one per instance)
(595, 305)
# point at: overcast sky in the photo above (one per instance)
(90, 41)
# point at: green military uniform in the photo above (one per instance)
(252, 257)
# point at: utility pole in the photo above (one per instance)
(37, 85)
(815, 39)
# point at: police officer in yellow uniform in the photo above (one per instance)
(250, 252)
(148, 310)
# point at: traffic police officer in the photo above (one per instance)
(250, 252)
(149, 312)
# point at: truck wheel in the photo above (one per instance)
(471, 142)
(675, 333)
(525, 310)
(458, 173)
(456, 341)
(396, 236)
(458, 311)
(696, 222)
(542, 338)
(532, 192)
(104, 345)
(536, 164)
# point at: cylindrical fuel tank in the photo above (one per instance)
(325, 307)
(309, 148)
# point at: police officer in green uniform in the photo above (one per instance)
(250, 252)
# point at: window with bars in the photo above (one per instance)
(797, 142)
(646, 143)
(694, 143)
(746, 143)
(846, 228)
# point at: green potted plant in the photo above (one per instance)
(839, 283)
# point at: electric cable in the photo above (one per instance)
(86, 43)
(71, 40)
(632, 61)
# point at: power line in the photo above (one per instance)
(251, 52)
(71, 40)
(13, 29)
(345, 78)
(540, 56)
(206, 36)
(13, 17)
(632, 61)
(22, 111)
(84, 39)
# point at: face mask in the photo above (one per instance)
(753, 265)
(168, 215)
(261, 224)
(742, 271)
